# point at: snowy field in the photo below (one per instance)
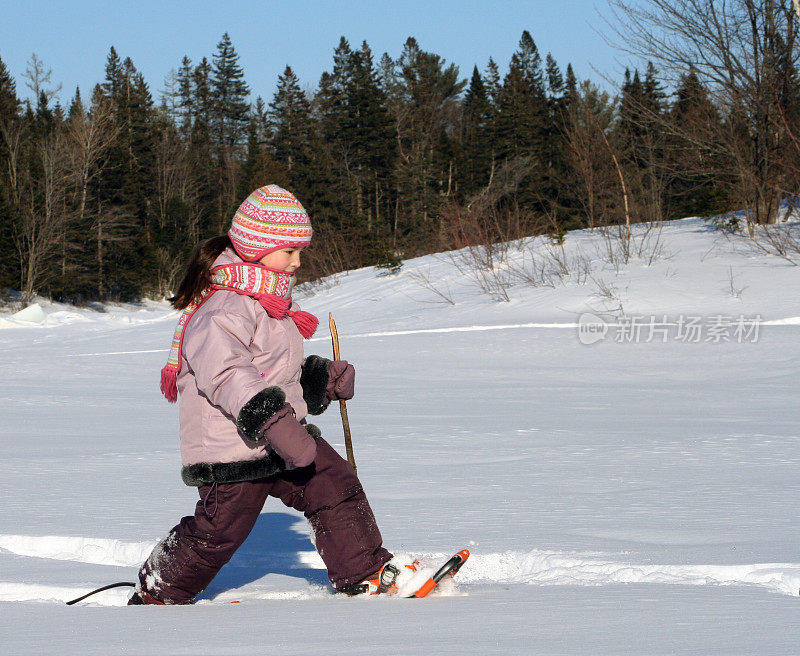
(635, 495)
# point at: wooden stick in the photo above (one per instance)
(348, 441)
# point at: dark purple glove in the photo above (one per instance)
(341, 381)
(289, 438)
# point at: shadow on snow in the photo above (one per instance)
(273, 547)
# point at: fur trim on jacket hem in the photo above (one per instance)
(314, 380)
(205, 473)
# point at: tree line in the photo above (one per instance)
(103, 199)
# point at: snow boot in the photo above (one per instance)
(144, 599)
(386, 580)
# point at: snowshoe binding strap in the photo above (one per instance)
(384, 582)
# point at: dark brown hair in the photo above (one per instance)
(198, 272)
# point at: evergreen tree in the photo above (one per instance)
(200, 155)
(570, 85)
(230, 91)
(228, 124)
(202, 109)
(382, 155)
(476, 152)
(641, 140)
(522, 124)
(76, 104)
(389, 79)
(122, 228)
(701, 176)
(555, 81)
(426, 117)
(258, 168)
(358, 133)
(186, 97)
(330, 103)
(9, 103)
(9, 139)
(556, 188)
(114, 75)
(492, 83)
(568, 200)
(372, 128)
(292, 131)
(522, 111)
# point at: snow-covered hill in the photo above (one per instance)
(617, 443)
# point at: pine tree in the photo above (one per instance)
(9, 139)
(292, 131)
(426, 119)
(522, 111)
(186, 99)
(330, 103)
(9, 103)
(492, 82)
(122, 229)
(230, 91)
(555, 81)
(641, 137)
(201, 151)
(561, 203)
(476, 151)
(202, 108)
(114, 75)
(570, 85)
(700, 175)
(358, 133)
(522, 123)
(259, 168)
(228, 125)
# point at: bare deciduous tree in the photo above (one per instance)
(176, 183)
(744, 52)
(89, 134)
(42, 215)
(591, 116)
(38, 81)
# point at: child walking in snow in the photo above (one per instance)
(245, 390)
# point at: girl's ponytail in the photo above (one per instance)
(198, 271)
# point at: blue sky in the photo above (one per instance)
(73, 37)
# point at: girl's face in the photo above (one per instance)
(284, 259)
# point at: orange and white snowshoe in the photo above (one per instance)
(405, 577)
(386, 579)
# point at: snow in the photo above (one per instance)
(633, 495)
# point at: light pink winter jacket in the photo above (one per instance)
(232, 349)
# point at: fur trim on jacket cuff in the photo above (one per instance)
(258, 410)
(314, 380)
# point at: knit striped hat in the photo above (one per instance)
(269, 219)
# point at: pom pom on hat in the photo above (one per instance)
(269, 219)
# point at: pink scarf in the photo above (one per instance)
(271, 288)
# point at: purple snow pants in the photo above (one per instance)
(327, 492)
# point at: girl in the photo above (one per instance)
(245, 389)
